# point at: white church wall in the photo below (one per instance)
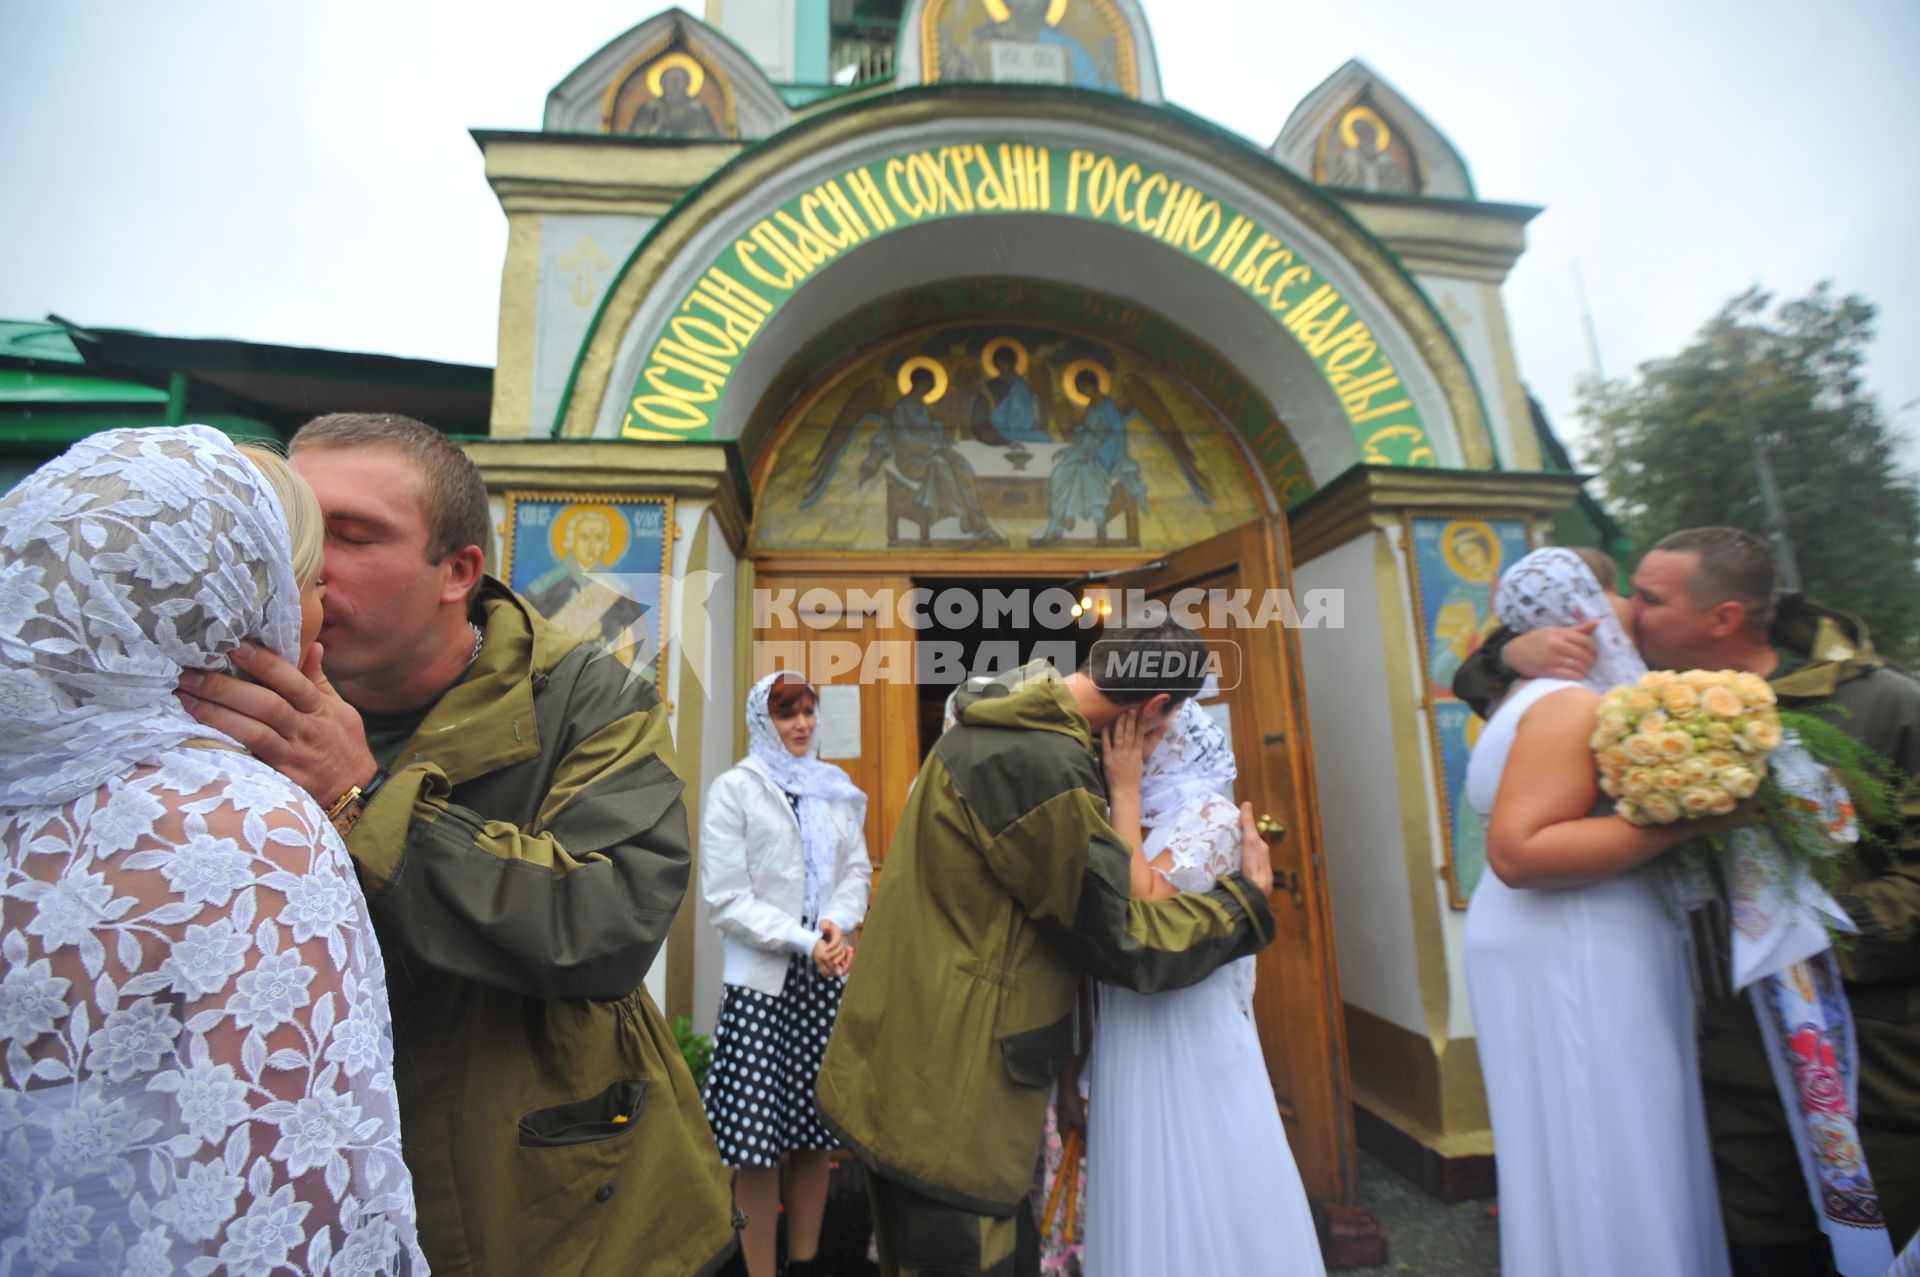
(1360, 816)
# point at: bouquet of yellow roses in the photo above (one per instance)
(1685, 746)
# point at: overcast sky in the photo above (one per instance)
(302, 174)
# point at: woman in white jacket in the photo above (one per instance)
(784, 868)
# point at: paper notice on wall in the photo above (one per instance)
(839, 722)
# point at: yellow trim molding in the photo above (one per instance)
(689, 731)
(549, 173)
(1412, 779)
(1377, 496)
(1462, 239)
(688, 470)
(519, 310)
(1433, 1093)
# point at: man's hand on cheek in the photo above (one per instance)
(289, 718)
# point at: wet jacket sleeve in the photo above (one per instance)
(1886, 904)
(1082, 902)
(1482, 679)
(574, 903)
(1886, 908)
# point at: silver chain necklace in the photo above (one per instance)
(477, 637)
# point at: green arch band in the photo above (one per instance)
(684, 379)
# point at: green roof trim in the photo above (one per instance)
(39, 342)
(26, 385)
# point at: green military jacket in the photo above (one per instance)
(1827, 661)
(523, 866)
(1004, 882)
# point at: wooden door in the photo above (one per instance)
(831, 629)
(1297, 998)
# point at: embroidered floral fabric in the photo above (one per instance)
(1186, 797)
(136, 554)
(1194, 759)
(197, 1071)
(198, 1054)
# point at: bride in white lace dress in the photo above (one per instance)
(1188, 1168)
(197, 1070)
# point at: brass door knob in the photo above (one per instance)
(1270, 829)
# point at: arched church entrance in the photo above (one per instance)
(962, 336)
(998, 467)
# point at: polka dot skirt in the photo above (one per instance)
(766, 1051)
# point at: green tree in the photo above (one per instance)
(1679, 448)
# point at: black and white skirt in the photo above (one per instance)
(766, 1053)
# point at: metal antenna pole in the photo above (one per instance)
(1769, 489)
(1593, 336)
(1770, 499)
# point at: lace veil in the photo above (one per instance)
(816, 783)
(1553, 587)
(196, 1057)
(137, 554)
(1193, 760)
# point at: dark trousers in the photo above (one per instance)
(918, 1236)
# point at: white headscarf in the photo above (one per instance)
(1193, 761)
(1553, 587)
(815, 783)
(135, 555)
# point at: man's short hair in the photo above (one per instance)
(1734, 565)
(1131, 665)
(456, 496)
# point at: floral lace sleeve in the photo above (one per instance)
(1202, 843)
(198, 1056)
(1202, 840)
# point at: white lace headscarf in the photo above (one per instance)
(135, 555)
(816, 784)
(1553, 587)
(1193, 761)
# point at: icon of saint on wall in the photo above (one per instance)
(912, 443)
(1095, 474)
(1364, 154)
(1471, 551)
(1084, 43)
(589, 591)
(674, 95)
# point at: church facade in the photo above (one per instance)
(897, 342)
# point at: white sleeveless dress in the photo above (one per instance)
(1584, 1011)
(1188, 1169)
